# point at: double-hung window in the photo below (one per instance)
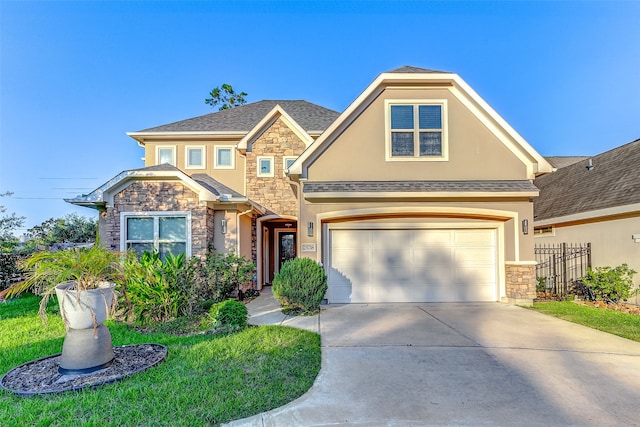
(165, 232)
(416, 131)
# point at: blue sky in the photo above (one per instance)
(76, 75)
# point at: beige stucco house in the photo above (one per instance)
(595, 200)
(418, 191)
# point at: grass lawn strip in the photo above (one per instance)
(625, 325)
(206, 379)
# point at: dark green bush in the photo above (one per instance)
(229, 313)
(610, 284)
(10, 271)
(223, 274)
(300, 285)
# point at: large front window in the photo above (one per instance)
(416, 131)
(166, 232)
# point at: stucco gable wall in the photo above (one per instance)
(159, 196)
(232, 178)
(274, 193)
(475, 153)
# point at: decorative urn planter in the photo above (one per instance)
(87, 346)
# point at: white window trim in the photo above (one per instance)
(284, 163)
(544, 231)
(416, 157)
(233, 157)
(154, 214)
(271, 173)
(173, 155)
(186, 157)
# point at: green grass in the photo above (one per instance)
(614, 322)
(206, 379)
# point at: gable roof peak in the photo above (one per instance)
(411, 69)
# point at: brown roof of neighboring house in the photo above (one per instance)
(311, 117)
(562, 161)
(613, 181)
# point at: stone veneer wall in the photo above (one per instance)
(152, 196)
(520, 283)
(274, 193)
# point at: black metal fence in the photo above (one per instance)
(560, 265)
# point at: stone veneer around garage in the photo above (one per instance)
(520, 283)
(160, 196)
(274, 193)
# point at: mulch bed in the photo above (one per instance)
(41, 376)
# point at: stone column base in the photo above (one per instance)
(520, 278)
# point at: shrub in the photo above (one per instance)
(229, 314)
(10, 272)
(300, 285)
(156, 290)
(223, 274)
(610, 284)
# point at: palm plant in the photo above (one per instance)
(88, 268)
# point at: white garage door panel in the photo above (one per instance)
(412, 265)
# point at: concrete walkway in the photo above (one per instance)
(457, 364)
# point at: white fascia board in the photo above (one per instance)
(104, 194)
(142, 137)
(538, 164)
(267, 121)
(581, 216)
(296, 167)
(417, 195)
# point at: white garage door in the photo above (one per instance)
(412, 265)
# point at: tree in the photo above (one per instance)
(71, 228)
(8, 224)
(224, 97)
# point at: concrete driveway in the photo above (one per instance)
(458, 364)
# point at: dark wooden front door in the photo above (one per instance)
(286, 247)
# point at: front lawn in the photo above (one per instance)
(205, 380)
(625, 325)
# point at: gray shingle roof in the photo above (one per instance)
(562, 161)
(214, 186)
(410, 69)
(613, 181)
(310, 116)
(418, 186)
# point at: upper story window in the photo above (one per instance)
(287, 161)
(544, 231)
(166, 155)
(224, 157)
(416, 131)
(195, 157)
(265, 166)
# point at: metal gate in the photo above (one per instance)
(560, 265)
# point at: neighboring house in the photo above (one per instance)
(418, 191)
(595, 200)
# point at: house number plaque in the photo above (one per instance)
(308, 247)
